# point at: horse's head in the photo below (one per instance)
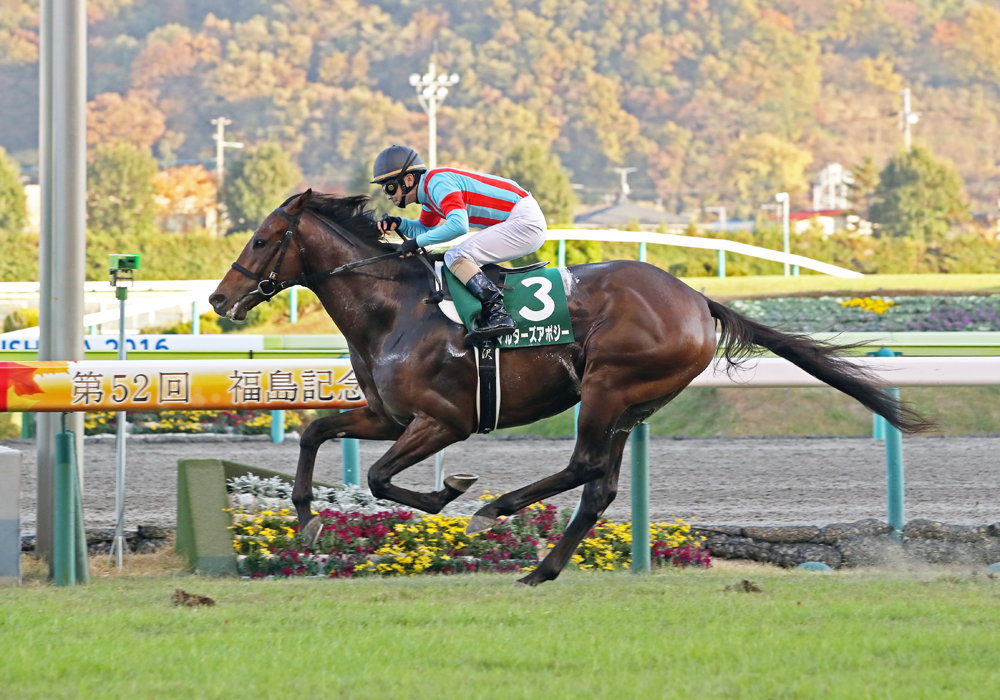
(270, 257)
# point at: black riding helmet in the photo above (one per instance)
(392, 165)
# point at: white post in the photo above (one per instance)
(63, 177)
(10, 517)
(907, 119)
(782, 197)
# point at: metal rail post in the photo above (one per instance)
(352, 463)
(894, 474)
(722, 262)
(561, 254)
(278, 426)
(293, 305)
(641, 562)
(893, 465)
(195, 319)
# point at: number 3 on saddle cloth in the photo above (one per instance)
(536, 299)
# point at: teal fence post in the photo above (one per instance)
(893, 466)
(561, 254)
(878, 427)
(28, 425)
(795, 270)
(293, 305)
(642, 252)
(278, 426)
(64, 535)
(894, 474)
(195, 319)
(722, 262)
(641, 562)
(352, 463)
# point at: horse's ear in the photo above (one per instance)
(299, 203)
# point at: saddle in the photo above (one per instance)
(497, 274)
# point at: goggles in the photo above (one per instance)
(390, 188)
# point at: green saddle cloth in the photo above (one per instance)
(537, 302)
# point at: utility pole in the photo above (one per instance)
(432, 88)
(220, 148)
(907, 119)
(782, 198)
(626, 190)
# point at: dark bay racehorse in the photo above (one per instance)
(641, 337)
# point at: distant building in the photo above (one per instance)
(625, 212)
(832, 189)
(33, 204)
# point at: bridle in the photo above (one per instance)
(269, 287)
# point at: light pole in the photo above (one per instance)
(722, 227)
(782, 198)
(907, 119)
(432, 88)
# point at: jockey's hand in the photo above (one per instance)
(409, 247)
(389, 223)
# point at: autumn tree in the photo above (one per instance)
(258, 181)
(766, 164)
(13, 215)
(539, 171)
(918, 196)
(120, 193)
(133, 118)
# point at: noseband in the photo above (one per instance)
(269, 287)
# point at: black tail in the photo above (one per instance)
(742, 338)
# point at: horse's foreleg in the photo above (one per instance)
(597, 496)
(424, 437)
(360, 423)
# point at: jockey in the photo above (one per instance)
(512, 223)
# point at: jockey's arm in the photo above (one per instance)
(456, 224)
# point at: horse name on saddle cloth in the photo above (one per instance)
(537, 302)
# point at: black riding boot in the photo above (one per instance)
(495, 321)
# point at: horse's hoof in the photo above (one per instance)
(311, 532)
(520, 584)
(460, 482)
(479, 523)
(526, 582)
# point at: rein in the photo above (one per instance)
(269, 286)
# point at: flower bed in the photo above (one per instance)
(876, 314)
(152, 422)
(365, 537)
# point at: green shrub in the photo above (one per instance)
(22, 318)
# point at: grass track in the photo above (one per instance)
(676, 634)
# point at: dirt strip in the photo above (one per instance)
(716, 480)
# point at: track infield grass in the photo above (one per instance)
(922, 633)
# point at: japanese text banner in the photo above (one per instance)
(178, 385)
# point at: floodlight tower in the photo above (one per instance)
(432, 88)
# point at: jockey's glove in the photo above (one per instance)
(409, 246)
(391, 223)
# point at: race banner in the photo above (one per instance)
(178, 385)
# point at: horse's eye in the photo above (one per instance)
(259, 243)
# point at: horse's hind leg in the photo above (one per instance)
(360, 423)
(597, 496)
(592, 459)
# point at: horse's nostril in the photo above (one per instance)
(217, 300)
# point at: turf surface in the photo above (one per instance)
(677, 634)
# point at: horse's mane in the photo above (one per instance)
(348, 213)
